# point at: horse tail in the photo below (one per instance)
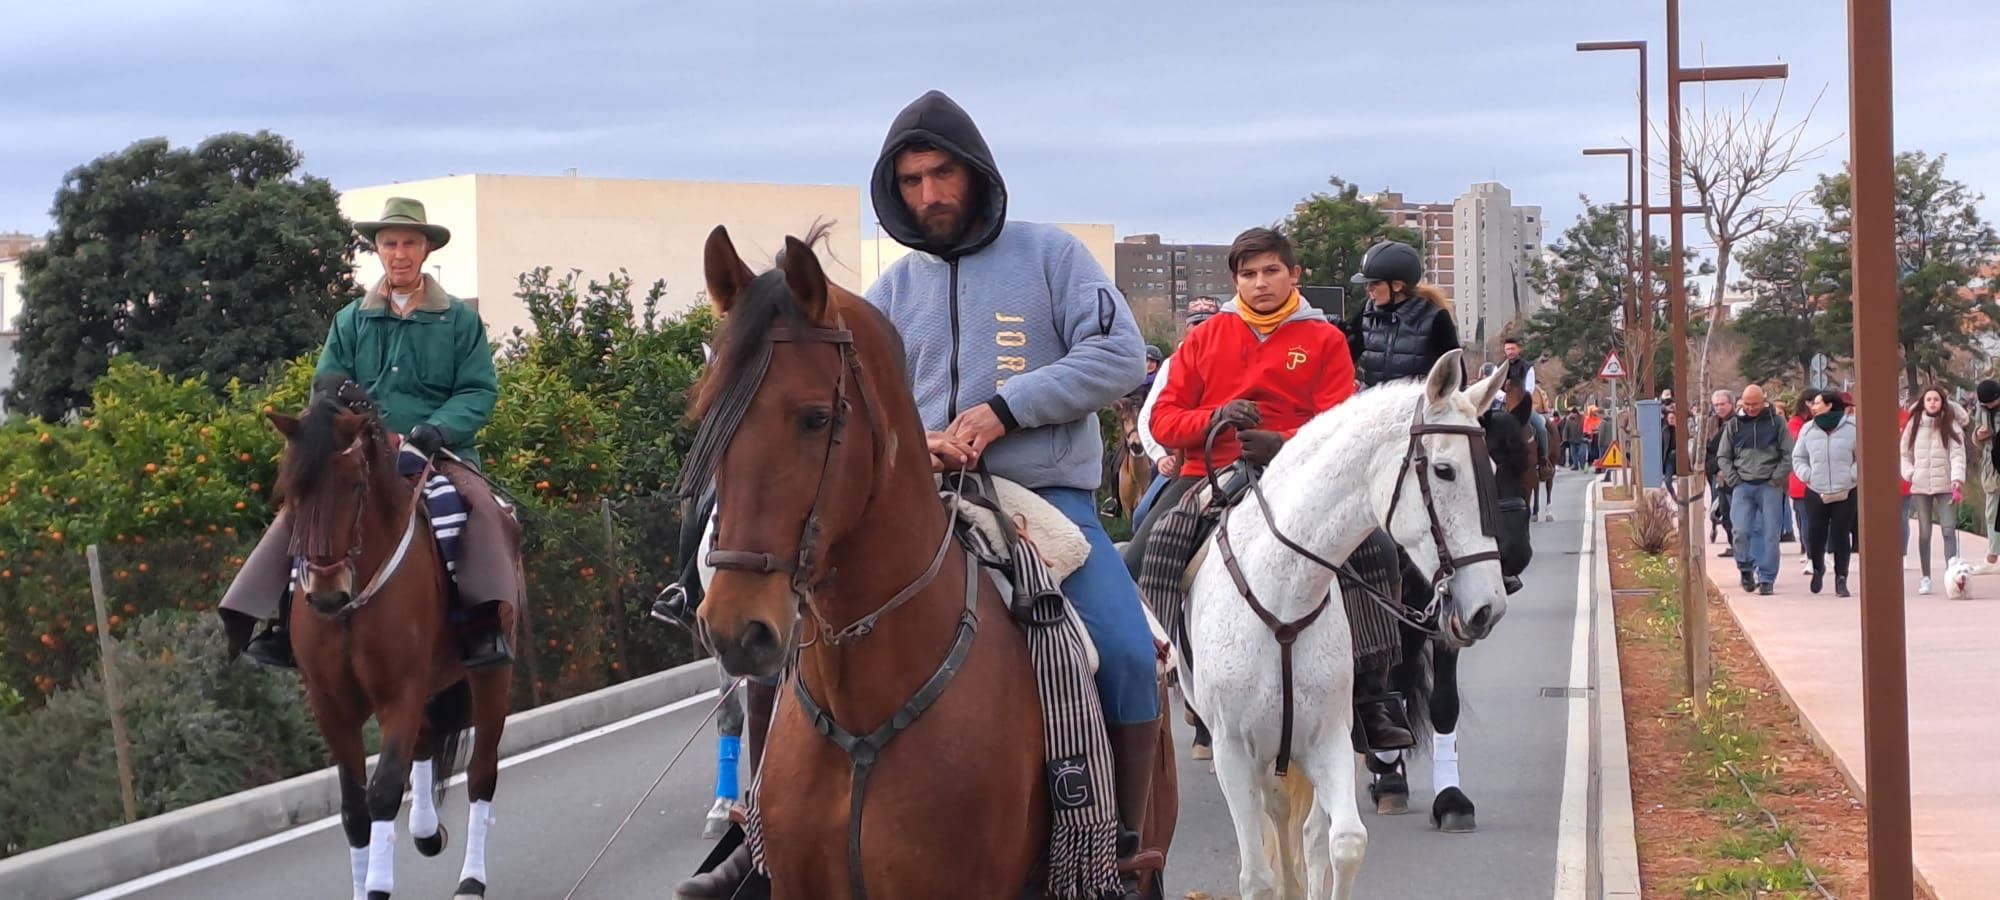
(449, 715)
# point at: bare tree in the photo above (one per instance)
(1733, 159)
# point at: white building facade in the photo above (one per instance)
(1497, 244)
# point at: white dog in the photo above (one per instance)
(1957, 579)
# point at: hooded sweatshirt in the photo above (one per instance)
(1299, 370)
(1016, 315)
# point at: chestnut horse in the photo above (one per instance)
(1135, 471)
(827, 517)
(371, 634)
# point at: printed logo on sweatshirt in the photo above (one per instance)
(1295, 358)
(1006, 339)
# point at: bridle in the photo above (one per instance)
(1416, 457)
(309, 538)
(718, 429)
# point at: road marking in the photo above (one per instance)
(1572, 842)
(234, 853)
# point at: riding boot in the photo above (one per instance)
(722, 882)
(271, 649)
(485, 645)
(1380, 722)
(1134, 749)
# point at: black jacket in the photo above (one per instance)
(1400, 341)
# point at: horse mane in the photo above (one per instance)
(311, 446)
(1507, 443)
(744, 341)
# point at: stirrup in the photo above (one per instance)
(271, 649)
(671, 607)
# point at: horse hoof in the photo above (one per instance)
(1392, 804)
(435, 844)
(1452, 812)
(470, 889)
(1201, 751)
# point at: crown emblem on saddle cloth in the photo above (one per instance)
(1295, 358)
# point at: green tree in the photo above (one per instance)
(212, 263)
(1941, 242)
(1786, 322)
(1331, 231)
(1586, 312)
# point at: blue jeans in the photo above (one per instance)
(1146, 501)
(1541, 427)
(1757, 518)
(1108, 602)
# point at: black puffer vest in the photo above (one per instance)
(1396, 341)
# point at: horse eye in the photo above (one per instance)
(816, 419)
(1445, 471)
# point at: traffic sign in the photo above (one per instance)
(1612, 367)
(1818, 378)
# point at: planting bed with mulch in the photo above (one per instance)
(1700, 833)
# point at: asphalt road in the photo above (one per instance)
(555, 811)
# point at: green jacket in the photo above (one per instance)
(1755, 449)
(433, 366)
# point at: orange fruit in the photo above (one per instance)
(152, 468)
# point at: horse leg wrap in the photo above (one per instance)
(423, 811)
(728, 749)
(475, 840)
(358, 860)
(382, 856)
(1444, 761)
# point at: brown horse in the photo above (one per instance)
(827, 517)
(371, 634)
(1135, 471)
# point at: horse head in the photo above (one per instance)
(1511, 444)
(1443, 504)
(797, 439)
(335, 462)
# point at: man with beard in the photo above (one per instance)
(1014, 338)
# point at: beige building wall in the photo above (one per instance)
(879, 251)
(504, 225)
(10, 295)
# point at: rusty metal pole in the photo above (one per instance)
(1632, 307)
(1694, 605)
(1884, 676)
(1643, 355)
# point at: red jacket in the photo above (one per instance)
(1798, 488)
(1301, 370)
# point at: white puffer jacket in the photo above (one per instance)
(1929, 466)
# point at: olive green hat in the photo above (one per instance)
(403, 212)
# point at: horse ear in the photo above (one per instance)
(805, 278)
(1483, 392)
(727, 275)
(1446, 377)
(286, 425)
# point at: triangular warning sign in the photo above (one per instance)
(1613, 368)
(1612, 458)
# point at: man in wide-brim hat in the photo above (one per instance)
(422, 356)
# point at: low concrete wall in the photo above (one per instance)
(1615, 851)
(97, 861)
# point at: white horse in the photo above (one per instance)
(1332, 484)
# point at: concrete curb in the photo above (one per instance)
(114, 856)
(1615, 850)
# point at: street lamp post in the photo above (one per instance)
(1633, 304)
(1884, 676)
(1694, 608)
(1644, 362)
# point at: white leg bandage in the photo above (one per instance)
(423, 812)
(1444, 756)
(382, 856)
(475, 841)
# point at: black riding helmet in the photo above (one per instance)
(1391, 261)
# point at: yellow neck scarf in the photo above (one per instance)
(1265, 324)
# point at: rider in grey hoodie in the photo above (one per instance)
(1014, 339)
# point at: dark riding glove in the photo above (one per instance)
(1260, 446)
(1239, 413)
(427, 438)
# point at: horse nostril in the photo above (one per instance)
(757, 637)
(1481, 621)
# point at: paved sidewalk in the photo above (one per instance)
(1812, 644)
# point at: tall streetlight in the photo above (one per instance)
(1644, 362)
(1633, 304)
(1884, 677)
(1694, 606)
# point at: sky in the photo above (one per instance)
(1192, 120)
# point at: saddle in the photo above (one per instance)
(1058, 541)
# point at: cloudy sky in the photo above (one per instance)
(1190, 119)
